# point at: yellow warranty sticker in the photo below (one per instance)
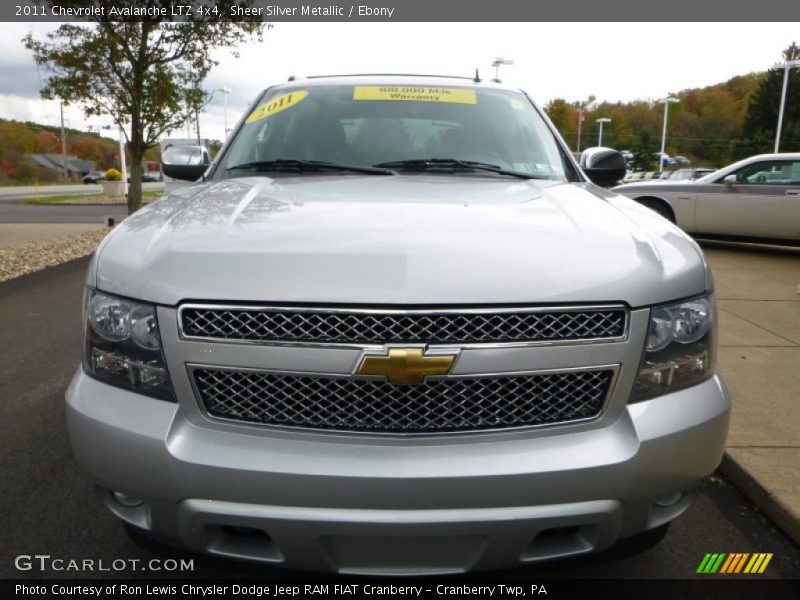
(276, 105)
(415, 94)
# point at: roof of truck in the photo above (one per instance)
(395, 79)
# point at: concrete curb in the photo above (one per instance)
(84, 203)
(770, 504)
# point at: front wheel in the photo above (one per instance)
(662, 208)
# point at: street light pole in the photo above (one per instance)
(787, 66)
(225, 91)
(601, 120)
(666, 101)
(496, 64)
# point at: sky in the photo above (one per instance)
(612, 61)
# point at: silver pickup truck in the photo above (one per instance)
(396, 328)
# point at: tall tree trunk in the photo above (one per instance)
(137, 144)
(135, 186)
(137, 147)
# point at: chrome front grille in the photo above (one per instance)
(437, 406)
(467, 326)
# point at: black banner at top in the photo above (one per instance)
(402, 10)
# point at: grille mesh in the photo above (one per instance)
(458, 404)
(411, 327)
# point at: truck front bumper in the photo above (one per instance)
(369, 504)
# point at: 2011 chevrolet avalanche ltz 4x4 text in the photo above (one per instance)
(394, 328)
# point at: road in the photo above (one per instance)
(53, 213)
(49, 508)
(13, 211)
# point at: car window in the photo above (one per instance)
(780, 172)
(368, 125)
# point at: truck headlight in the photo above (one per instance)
(123, 346)
(680, 349)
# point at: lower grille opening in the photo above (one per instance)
(562, 541)
(240, 542)
(443, 405)
(395, 555)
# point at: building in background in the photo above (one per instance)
(76, 168)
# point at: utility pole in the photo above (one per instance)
(122, 163)
(787, 66)
(197, 123)
(666, 101)
(589, 105)
(63, 147)
(225, 91)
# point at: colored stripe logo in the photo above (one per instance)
(734, 562)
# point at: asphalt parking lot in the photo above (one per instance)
(48, 508)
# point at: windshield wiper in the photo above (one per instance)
(282, 164)
(422, 164)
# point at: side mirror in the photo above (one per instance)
(603, 166)
(729, 181)
(187, 163)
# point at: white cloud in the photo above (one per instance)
(614, 61)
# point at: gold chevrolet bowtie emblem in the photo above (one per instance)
(406, 365)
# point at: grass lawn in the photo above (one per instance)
(30, 183)
(87, 198)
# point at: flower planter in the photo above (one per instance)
(113, 189)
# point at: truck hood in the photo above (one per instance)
(408, 239)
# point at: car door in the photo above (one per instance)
(763, 202)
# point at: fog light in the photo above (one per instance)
(134, 372)
(126, 500)
(670, 500)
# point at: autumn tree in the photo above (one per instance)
(146, 76)
(87, 148)
(762, 114)
(46, 143)
(15, 141)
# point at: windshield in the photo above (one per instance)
(366, 125)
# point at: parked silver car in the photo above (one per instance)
(688, 174)
(395, 329)
(757, 198)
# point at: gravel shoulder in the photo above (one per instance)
(45, 249)
(13, 235)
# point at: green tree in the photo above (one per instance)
(214, 146)
(644, 150)
(146, 76)
(560, 114)
(762, 114)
